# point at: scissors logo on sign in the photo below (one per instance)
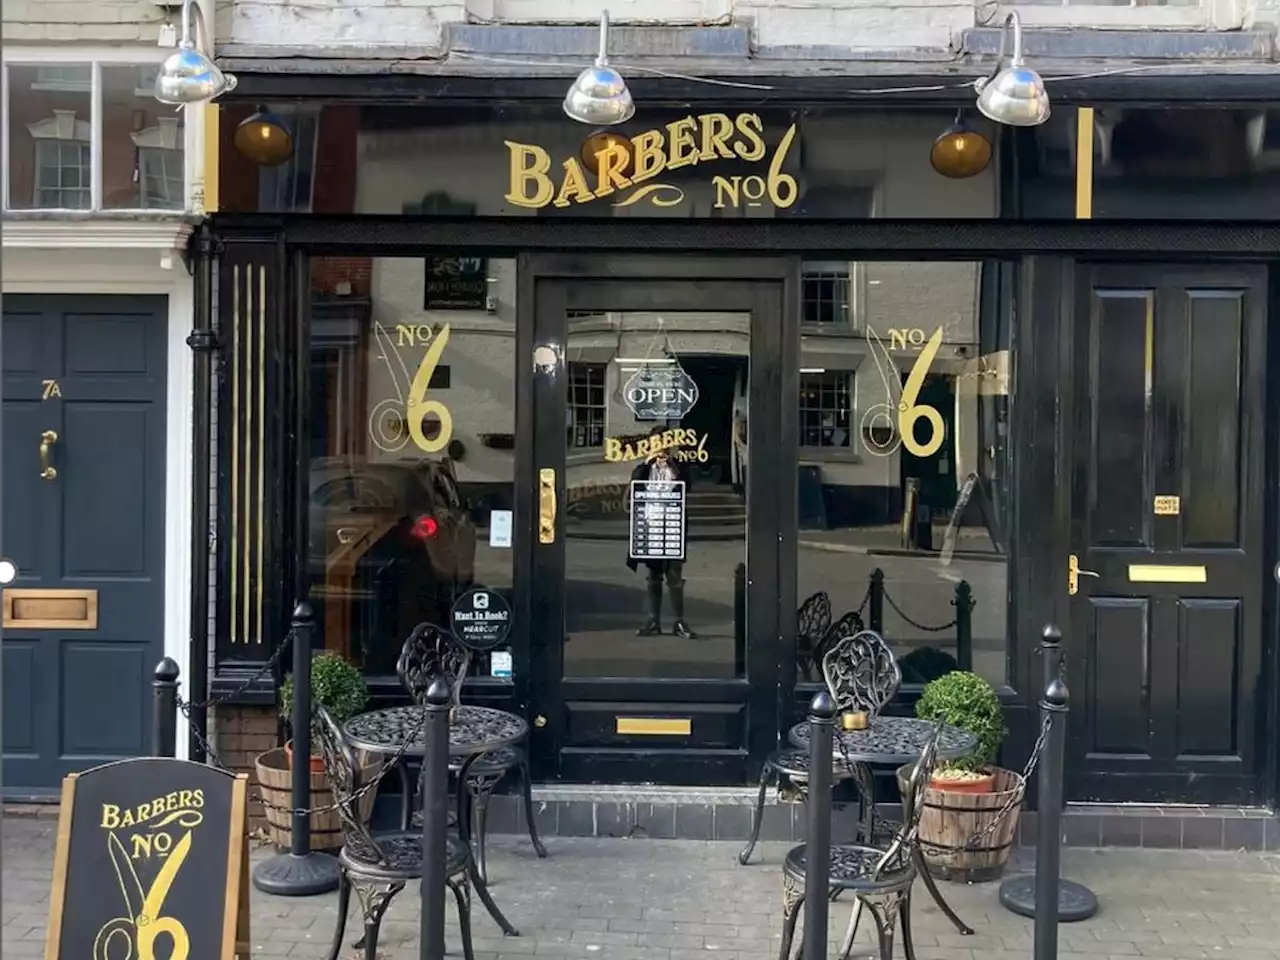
(138, 931)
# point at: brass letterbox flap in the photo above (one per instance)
(45, 609)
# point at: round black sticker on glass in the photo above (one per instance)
(481, 619)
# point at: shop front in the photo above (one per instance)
(672, 390)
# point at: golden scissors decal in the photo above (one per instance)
(139, 930)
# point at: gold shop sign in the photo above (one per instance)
(618, 449)
(638, 164)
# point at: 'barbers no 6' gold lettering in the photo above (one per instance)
(686, 142)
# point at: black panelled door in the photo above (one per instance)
(653, 670)
(84, 492)
(1167, 569)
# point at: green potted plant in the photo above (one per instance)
(965, 700)
(966, 795)
(337, 685)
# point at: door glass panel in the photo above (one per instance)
(407, 514)
(656, 398)
(903, 413)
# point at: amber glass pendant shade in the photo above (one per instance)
(960, 151)
(601, 143)
(264, 139)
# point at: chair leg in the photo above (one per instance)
(904, 912)
(482, 891)
(479, 820)
(884, 932)
(461, 893)
(373, 922)
(344, 904)
(792, 904)
(852, 931)
(766, 775)
(406, 795)
(526, 788)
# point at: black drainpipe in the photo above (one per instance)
(202, 342)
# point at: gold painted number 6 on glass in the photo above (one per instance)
(419, 406)
(47, 440)
(909, 411)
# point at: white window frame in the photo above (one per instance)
(1206, 14)
(86, 176)
(95, 57)
(850, 378)
(855, 271)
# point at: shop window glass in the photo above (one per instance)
(587, 406)
(916, 515)
(142, 143)
(49, 117)
(402, 511)
(827, 296)
(287, 187)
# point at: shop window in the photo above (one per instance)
(288, 187)
(402, 510)
(909, 507)
(587, 407)
(60, 159)
(828, 294)
(826, 406)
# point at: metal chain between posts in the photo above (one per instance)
(919, 626)
(866, 598)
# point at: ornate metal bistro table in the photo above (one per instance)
(893, 742)
(473, 732)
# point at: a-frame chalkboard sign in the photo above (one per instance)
(152, 860)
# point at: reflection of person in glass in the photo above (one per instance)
(661, 466)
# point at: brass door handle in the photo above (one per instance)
(47, 440)
(539, 721)
(546, 505)
(1074, 573)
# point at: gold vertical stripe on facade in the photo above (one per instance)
(262, 431)
(1149, 350)
(246, 569)
(212, 131)
(235, 449)
(1084, 163)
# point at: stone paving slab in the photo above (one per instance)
(685, 900)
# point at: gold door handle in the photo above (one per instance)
(546, 505)
(539, 721)
(1074, 573)
(47, 440)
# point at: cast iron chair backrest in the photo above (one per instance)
(899, 851)
(431, 652)
(342, 770)
(813, 619)
(860, 671)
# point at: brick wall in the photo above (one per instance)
(84, 20)
(241, 734)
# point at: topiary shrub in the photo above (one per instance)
(335, 683)
(965, 700)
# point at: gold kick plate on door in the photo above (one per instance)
(1167, 573)
(1074, 573)
(546, 505)
(39, 609)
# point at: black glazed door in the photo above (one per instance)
(84, 447)
(650, 670)
(1165, 650)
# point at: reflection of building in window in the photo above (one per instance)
(63, 165)
(160, 165)
(287, 187)
(826, 405)
(829, 294)
(586, 405)
(64, 78)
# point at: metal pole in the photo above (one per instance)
(164, 709)
(435, 799)
(964, 625)
(299, 873)
(817, 869)
(875, 603)
(1049, 826)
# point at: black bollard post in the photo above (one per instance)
(164, 709)
(300, 872)
(435, 799)
(875, 602)
(963, 603)
(1045, 897)
(817, 869)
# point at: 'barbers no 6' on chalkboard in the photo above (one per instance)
(151, 862)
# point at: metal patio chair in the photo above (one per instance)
(813, 619)
(379, 865)
(880, 878)
(431, 651)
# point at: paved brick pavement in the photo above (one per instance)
(684, 900)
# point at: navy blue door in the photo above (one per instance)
(84, 471)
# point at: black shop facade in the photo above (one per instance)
(447, 343)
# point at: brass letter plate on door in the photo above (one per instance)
(655, 726)
(1167, 573)
(50, 609)
(1168, 506)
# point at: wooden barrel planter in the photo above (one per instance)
(951, 820)
(275, 781)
